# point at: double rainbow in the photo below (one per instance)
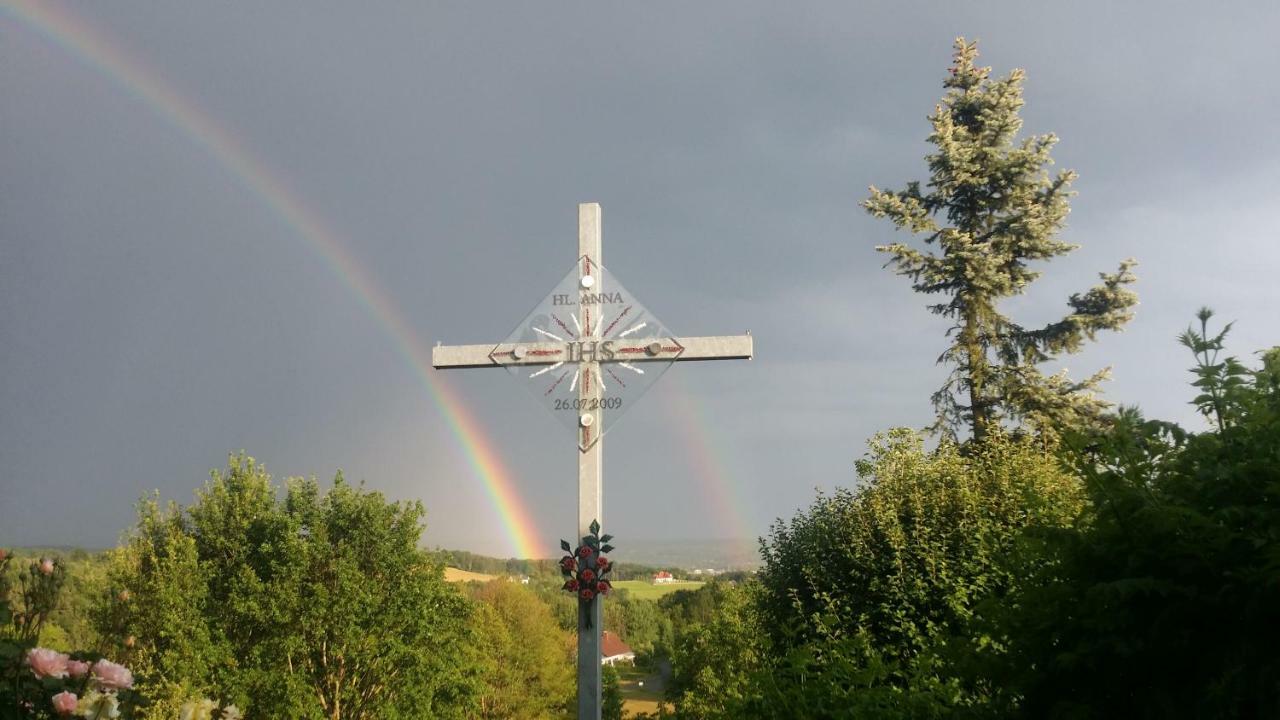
(75, 36)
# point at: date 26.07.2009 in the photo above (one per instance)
(612, 403)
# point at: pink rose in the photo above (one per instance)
(47, 663)
(65, 702)
(124, 596)
(77, 669)
(111, 676)
(46, 566)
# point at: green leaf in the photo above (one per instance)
(565, 546)
(606, 538)
(595, 527)
(607, 549)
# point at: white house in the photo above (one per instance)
(613, 650)
(662, 577)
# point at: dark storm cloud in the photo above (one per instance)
(155, 315)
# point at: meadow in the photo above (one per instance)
(645, 590)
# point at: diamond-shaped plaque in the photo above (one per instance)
(588, 351)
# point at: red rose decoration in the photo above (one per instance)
(602, 563)
(568, 563)
(588, 575)
(571, 586)
(587, 594)
(584, 551)
(603, 587)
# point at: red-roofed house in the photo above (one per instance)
(613, 650)
(662, 577)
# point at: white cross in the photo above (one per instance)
(589, 352)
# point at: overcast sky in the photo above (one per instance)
(155, 314)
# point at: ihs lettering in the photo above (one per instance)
(594, 351)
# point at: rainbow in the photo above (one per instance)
(68, 31)
(710, 462)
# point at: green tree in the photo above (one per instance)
(531, 673)
(317, 605)
(610, 695)
(1164, 600)
(869, 597)
(713, 661)
(991, 208)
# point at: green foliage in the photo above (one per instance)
(638, 622)
(991, 208)
(1163, 601)
(529, 659)
(905, 557)
(610, 694)
(716, 653)
(1221, 384)
(315, 605)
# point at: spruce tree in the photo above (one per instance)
(989, 209)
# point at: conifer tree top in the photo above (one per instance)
(990, 208)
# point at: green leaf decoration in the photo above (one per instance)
(564, 545)
(607, 549)
(606, 538)
(595, 527)
(591, 542)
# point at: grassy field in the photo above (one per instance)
(456, 575)
(641, 691)
(645, 590)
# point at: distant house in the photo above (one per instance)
(613, 650)
(662, 577)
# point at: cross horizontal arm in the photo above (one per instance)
(716, 347)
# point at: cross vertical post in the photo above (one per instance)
(590, 461)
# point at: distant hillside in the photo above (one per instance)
(639, 555)
(691, 554)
